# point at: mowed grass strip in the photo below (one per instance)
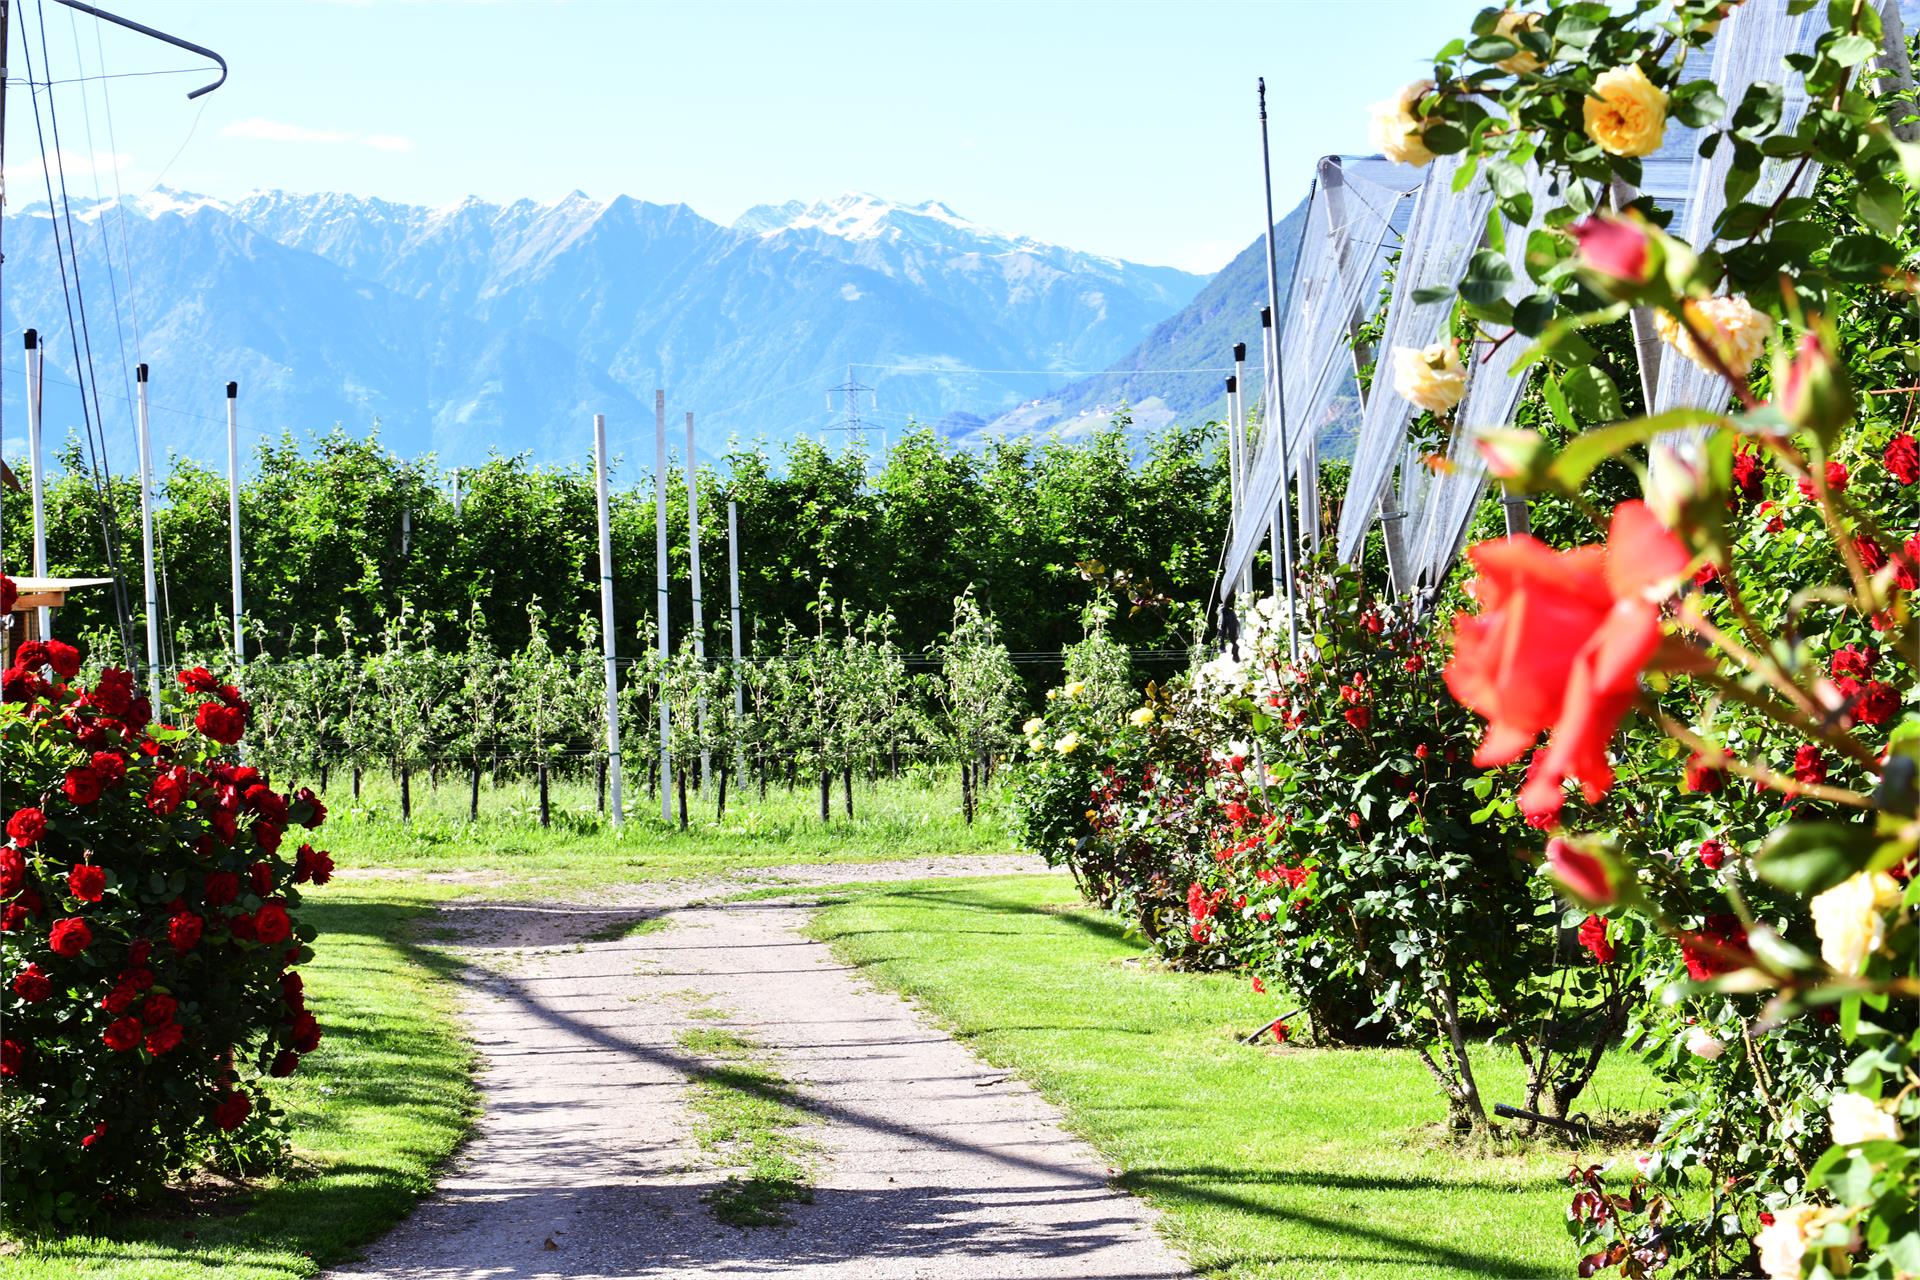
(506, 853)
(382, 1103)
(1266, 1162)
(745, 1114)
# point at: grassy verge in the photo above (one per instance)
(1265, 1162)
(745, 1114)
(382, 1103)
(917, 814)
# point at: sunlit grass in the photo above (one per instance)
(1266, 1162)
(745, 1115)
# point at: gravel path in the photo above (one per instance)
(930, 1164)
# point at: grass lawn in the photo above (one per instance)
(382, 1103)
(1288, 1162)
(917, 815)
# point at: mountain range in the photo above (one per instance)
(477, 327)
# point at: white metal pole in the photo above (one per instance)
(1233, 451)
(36, 458)
(1243, 441)
(456, 493)
(699, 618)
(146, 540)
(1276, 410)
(233, 519)
(606, 619)
(733, 586)
(660, 599)
(1269, 358)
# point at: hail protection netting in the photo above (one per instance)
(1443, 234)
(1446, 507)
(1351, 227)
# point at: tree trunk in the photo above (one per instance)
(846, 788)
(406, 794)
(680, 785)
(602, 772)
(653, 778)
(721, 810)
(826, 795)
(893, 759)
(473, 795)
(966, 793)
(792, 771)
(356, 784)
(326, 771)
(546, 810)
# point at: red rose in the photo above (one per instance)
(140, 952)
(221, 723)
(1583, 875)
(1837, 478)
(197, 680)
(31, 985)
(1593, 936)
(242, 928)
(9, 592)
(307, 805)
(112, 693)
(70, 937)
(1748, 475)
(1872, 557)
(1906, 568)
(15, 915)
(1703, 777)
(232, 1110)
(167, 791)
(266, 835)
(183, 931)
(284, 1064)
(1713, 855)
(87, 882)
(317, 863)
(306, 1033)
(110, 765)
(1879, 703)
(1358, 717)
(1852, 660)
(13, 871)
(121, 998)
(1718, 946)
(270, 923)
(1902, 458)
(26, 826)
(63, 658)
(1559, 644)
(224, 827)
(122, 1034)
(222, 887)
(13, 1056)
(99, 1132)
(159, 1009)
(1809, 766)
(266, 802)
(164, 1037)
(82, 785)
(261, 874)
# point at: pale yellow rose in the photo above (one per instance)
(1142, 717)
(1395, 131)
(1033, 726)
(1627, 113)
(1783, 1244)
(1739, 333)
(1510, 24)
(1848, 921)
(1067, 745)
(1857, 1119)
(1702, 1043)
(1430, 377)
(1076, 688)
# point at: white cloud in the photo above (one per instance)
(851, 292)
(261, 129)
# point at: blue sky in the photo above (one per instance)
(1121, 128)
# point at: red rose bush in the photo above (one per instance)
(149, 939)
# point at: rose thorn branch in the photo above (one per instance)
(1759, 773)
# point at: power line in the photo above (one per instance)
(1062, 373)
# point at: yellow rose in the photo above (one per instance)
(1076, 688)
(1033, 726)
(1143, 717)
(1430, 377)
(1068, 745)
(1783, 1244)
(1510, 24)
(1627, 114)
(1847, 919)
(1857, 1119)
(1395, 131)
(1739, 333)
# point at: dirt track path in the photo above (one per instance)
(930, 1165)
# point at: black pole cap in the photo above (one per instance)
(33, 338)
(1266, 317)
(233, 390)
(1233, 384)
(140, 372)
(1239, 351)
